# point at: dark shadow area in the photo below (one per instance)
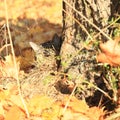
(99, 98)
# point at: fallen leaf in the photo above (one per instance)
(76, 105)
(110, 48)
(15, 114)
(38, 103)
(1, 117)
(113, 61)
(95, 113)
(2, 112)
(76, 110)
(110, 53)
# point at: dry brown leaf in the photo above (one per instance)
(15, 113)
(9, 103)
(95, 113)
(38, 103)
(113, 61)
(1, 117)
(78, 105)
(47, 109)
(111, 47)
(76, 110)
(2, 112)
(110, 53)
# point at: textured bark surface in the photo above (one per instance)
(97, 12)
(69, 30)
(78, 56)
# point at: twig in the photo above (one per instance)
(108, 26)
(14, 61)
(2, 48)
(69, 99)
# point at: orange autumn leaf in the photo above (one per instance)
(2, 112)
(95, 113)
(5, 101)
(76, 105)
(38, 103)
(81, 110)
(1, 117)
(111, 47)
(9, 103)
(48, 109)
(76, 110)
(15, 113)
(4, 94)
(110, 53)
(113, 61)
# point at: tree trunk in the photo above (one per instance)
(77, 27)
(83, 21)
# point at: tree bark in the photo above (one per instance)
(67, 48)
(83, 20)
(97, 12)
(79, 48)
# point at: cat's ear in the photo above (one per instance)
(35, 47)
(56, 42)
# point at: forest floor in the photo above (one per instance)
(28, 89)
